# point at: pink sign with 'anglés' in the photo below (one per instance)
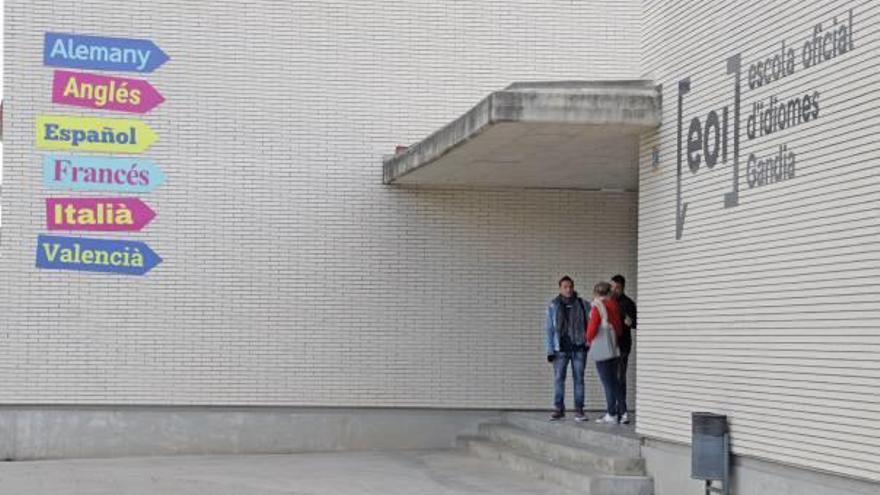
(82, 89)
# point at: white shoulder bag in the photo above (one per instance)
(604, 346)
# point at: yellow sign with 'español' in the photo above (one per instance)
(98, 134)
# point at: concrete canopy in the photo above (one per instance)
(569, 135)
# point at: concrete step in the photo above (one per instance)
(620, 439)
(571, 454)
(583, 481)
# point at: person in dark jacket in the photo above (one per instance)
(565, 343)
(628, 315)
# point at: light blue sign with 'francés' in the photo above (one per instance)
(101, 53)
(98, 173)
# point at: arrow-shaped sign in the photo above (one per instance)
(82, 89)
(98, 214)
(104, 135)
(96, 173)
(95, 255)
(79, 51)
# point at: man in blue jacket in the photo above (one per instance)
(564, 327)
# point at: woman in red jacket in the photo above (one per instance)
(607, 368)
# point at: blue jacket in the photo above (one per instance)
(551, 342)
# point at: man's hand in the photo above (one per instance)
(550, 358)
(628, 321)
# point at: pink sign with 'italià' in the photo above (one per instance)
(82, 89)
(97, 214)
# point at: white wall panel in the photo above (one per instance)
(768, 311)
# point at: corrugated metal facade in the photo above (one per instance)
(760, 294)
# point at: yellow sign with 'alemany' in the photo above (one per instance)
(103, 135)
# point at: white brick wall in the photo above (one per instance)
(292, 275)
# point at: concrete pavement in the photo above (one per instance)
(440, 472)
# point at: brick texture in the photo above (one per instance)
(292, 276)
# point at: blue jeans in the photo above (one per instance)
(608, 370)
(578, 360)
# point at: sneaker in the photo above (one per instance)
(607, 419)
(557, 416)
(624, 419)
(579, 416)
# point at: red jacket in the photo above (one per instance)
(595, 319)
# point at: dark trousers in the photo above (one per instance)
(578, 360)
(622, 363)
(608, 376)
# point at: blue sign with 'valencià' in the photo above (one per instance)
(101, 53)
(95, 255)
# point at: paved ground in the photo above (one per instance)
(346, 473)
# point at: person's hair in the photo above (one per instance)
(618, 279)
(565, 278)
(602, 289)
